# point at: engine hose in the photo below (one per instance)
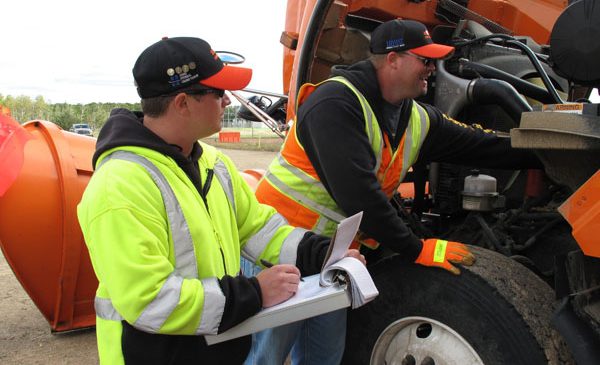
(532, 240)
(510, 40)
(489, 91)
(490, 235)
(470, 69)
(538, 66)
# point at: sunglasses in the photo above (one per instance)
(218, 92)
(426, 61)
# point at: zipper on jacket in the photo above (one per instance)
(223, 258)
(209, 176)
(204, 194)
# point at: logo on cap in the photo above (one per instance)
(394, 43)
(426, 34)
(180, 74)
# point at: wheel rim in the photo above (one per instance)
(422, 341)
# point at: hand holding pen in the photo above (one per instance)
(269, 264)
(277, 283)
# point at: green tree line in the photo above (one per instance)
(23, 109)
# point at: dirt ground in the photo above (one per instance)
(25, 336)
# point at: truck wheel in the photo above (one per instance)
(495, 313)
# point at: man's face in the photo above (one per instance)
(208, 110)
(414, 73)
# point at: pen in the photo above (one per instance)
(268, 264)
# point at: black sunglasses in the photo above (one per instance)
(426, 61)
(219, 92)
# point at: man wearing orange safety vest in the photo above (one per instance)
(355, 137)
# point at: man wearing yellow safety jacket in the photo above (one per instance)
(165, 219)
(354, 139)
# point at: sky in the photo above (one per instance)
(83, 51)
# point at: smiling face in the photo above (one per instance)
(402, 75)
(414, 74)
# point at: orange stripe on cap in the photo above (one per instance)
(229, 78)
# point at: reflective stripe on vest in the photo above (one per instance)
(303, 188)
(157, 312)
(371, 125)
(417, 131)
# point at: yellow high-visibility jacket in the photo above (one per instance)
(159, 249)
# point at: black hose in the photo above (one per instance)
(510, 40)
(538, 66)
(484, 39)
(470, 69)
(533, 239)
(489, 91)
(490, 235)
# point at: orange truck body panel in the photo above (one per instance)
(582, 211)
(532, 17)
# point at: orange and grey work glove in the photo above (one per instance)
(440, 253)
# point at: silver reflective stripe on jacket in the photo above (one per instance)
(156, 313)
(257, 243)
(185, 259)
(225, 179)
(161, 307)
(289, 248)
(214, 303)
(105, 310)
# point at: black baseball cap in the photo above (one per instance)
(403, 35)
(181, 62)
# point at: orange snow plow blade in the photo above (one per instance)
(39, 232)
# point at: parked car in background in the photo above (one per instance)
(81, 128)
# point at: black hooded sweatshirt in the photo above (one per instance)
(331, 128)
(243, 295)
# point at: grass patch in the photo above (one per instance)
(248, 144)
(249, 132)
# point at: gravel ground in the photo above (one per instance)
(25, 336)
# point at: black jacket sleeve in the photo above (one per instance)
(243, 299)
(331, 129)
(451, 141)
(311, 253)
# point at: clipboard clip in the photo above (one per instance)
(340, 278)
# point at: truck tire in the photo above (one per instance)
(495, 313)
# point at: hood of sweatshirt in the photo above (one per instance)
(364, 77)
(126, 128)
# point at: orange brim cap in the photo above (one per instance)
(229, 78)
(433, 50)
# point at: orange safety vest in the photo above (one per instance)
(292, 186)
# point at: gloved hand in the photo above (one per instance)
(440, 253)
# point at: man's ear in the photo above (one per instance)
(180, 104)
(391, 59)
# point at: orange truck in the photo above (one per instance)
(525, 67)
